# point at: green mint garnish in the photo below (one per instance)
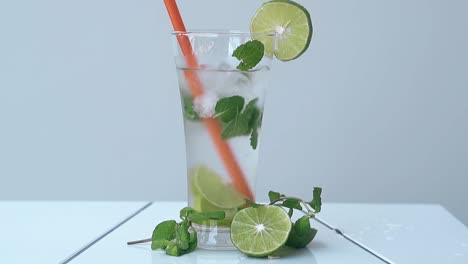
(189, 113)
(274, 196)
(239, 126)
(163, 234)
(292, 203)
(252, 204)
(173, 250)
(183, 235)
(180, 238)
(316, 202)
(254, 138)
(288, 202)
(229, 108)
(196, 216)
(200, 217)
(249, 54)
(237, 120)
(186, 211)
(301, 233)
(254, 116)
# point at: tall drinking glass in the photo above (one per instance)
(222, 112)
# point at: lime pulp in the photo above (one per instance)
(260, 231)
(210, 193)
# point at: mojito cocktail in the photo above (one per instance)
(222, 78)
(233, 99)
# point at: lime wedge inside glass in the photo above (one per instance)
(260, 231)
(202, 205)
(210, 186)
(290, 22)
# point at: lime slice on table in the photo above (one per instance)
(260, 231)
(292, 24)
(210, 186)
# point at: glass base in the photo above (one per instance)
(214, 237)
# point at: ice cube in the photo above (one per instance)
(234, 82)
(204, 105)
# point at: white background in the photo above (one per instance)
(375, 111)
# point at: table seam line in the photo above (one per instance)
(356, 243)
(100, 237)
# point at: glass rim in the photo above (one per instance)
(219, 32)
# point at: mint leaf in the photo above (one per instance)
(252, 113)
(238, 122)
(302, 225)
(182, 235)
(163, 233)
(175, 237)
(194, 215)
(301, 233)
(203, 216)
(192, 243)
(197, 218)
(216, 215)
(273, 195)
(186, 211)
(249, 54)
(173, 250)
(254, 138)
(189, 113)
(290, 212)
(229, 107)
(292, 203)
(239, 126)
(251, 105)
(316, 202)
(156, 244)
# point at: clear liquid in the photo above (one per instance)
(200, 150)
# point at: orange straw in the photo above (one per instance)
(213, 126)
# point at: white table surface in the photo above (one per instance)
(48, 232)
(328, 247)
(403, 233)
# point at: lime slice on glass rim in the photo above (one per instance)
(260, 231)
(291, 24)
(210, 186)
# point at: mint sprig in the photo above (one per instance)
(163, 235)
(238, 120)
(301, 233)
(316, 202)
(189, 112)
(249, 54)
(229, 108)
(179, 238)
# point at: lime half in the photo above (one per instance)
(210, 186)
(291, 24)
(260, 231)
